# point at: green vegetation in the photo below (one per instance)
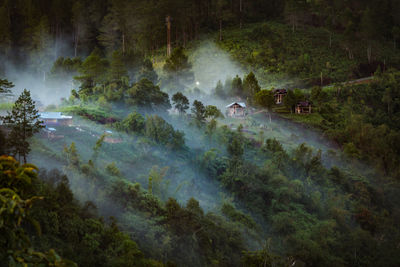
(313, 119)
(56, 221)
(363, 118)
(281, 58)
(196, 188)
(6, 106)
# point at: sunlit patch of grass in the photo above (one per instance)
(313, 119)
(6, 106)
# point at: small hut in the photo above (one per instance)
(236, 109)
(303, 107)
(111, 139)
(279, 95)
(51, 133)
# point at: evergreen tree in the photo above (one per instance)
(250, 86)
(3, 143)
(178, 70)
(223, 14)
(147, 71)
(228, 86)
(64, 69)
(5, 87)
(110, 35)
(80, 25)
(369, 30)
(396, 35)
(213, 112)
(117, 70)
(133, 123)
(5, 30)
(180, 102)
(265, 99)
(219, 90)
(41, 46)
(199, 112)
(24, 123)
(92, 72)
(144, 94)
(237, 87)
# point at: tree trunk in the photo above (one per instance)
(220, 29)
(369, 52)
(240, 15)
(176, 37)
(292, 19)
(330, 40)
(24, 130)
(56, 43)
(322, 79)
(76, 41)
(184, 36)
(123, 44)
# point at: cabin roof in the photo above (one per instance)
(303, 104)
(242, 104)
(53, 115)
(280, 91)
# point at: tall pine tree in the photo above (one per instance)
(23, 122)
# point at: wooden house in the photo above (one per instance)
(236, 109)
(279, 94)
(303, 107)
(55, 119)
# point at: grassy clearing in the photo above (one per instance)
(6, 106)
(94, 113)
(313, 119)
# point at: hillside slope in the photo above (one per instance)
(282, 57)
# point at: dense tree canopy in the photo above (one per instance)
(144, 94)
(224, 193)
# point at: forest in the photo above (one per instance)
(199, 133)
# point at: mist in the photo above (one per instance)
(211, 64)
(44, 90)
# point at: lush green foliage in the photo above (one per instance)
(280, 57)
(308, 207)
(362, 118)
(16, 200)
(5, 86)
(178, 70)
(146, 95)
(260, 203)
(163, 133)
(181, 103)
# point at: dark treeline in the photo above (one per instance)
(126, 25)
(50, 28)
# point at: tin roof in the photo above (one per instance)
(242, 104)
(53, 115)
